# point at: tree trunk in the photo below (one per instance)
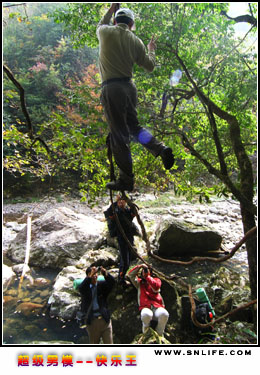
(251, 247)
(244, 192)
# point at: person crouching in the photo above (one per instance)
(150, 301)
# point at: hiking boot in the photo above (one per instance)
(120, 185)
(167, 157)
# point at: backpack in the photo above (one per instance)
(203, 316)
(202, 313)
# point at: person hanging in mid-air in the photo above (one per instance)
(119, 50)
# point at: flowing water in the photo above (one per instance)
(35, 325)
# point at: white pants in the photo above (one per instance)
(160, 314)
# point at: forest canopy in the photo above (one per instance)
(51, 49)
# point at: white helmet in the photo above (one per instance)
(125, 12)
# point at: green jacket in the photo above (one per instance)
(119, 50)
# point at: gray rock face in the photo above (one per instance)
(176, 238)
(59, 238)
(64, 301)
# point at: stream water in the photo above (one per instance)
(20, 328)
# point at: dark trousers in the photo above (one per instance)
(126, 255)
(119, 100)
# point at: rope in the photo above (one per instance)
(134, 207)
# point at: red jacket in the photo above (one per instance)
(148, 289)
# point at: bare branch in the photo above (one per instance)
(22, 99)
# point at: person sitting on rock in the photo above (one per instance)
(94, 295)
(150, 300)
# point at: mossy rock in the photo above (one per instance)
(150, 337)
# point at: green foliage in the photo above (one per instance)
(220, 64)
(41, 56)
(81, 19)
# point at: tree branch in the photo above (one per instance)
(22, 100)
(24, 109)
(241, 155)
(13, 5)
(236, 192)
(244, 18)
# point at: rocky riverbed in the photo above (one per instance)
(38, 312)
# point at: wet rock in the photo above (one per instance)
(29, 308)
(224, 306)
(9, 301)
(11, 292)
(41, 282)
(45, 293)
(37, 300)
(18, 269)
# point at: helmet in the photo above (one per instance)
(125, 12)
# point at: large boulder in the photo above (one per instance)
(58, 239)
(10, 231)
(106, 257)
(175, 238)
